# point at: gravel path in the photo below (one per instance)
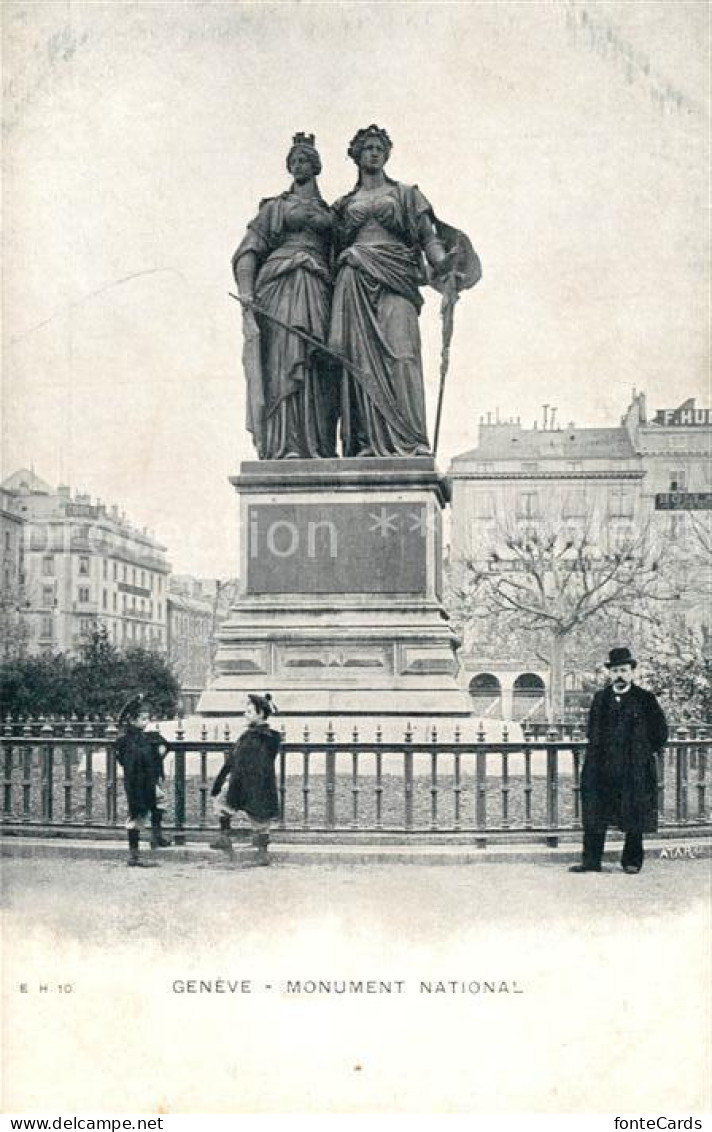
(599, 1001)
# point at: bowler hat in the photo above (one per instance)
(620, 656)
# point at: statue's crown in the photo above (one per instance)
(303, 139)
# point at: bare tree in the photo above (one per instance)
(544, 585)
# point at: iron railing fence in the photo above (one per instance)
(60, 778)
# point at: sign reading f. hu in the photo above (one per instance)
(686, 415)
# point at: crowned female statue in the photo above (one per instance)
(388, 242)
(282, 273)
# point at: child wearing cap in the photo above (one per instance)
(140, 753)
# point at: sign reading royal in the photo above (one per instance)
(359, 548)
(685, 416)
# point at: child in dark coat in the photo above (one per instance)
(248, 781)
(140, 754)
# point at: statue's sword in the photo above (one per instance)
(249, 305)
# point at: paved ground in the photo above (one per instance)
(600, 1000)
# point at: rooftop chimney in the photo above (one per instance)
(546, 415)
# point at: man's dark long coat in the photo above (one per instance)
(619, 781)
(252, 784)
(141, 754)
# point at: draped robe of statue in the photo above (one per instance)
(382, 238)
(291, 393)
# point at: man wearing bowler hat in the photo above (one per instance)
(619, 781)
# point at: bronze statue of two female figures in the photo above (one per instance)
(331, 298)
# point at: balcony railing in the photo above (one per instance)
(60, 778)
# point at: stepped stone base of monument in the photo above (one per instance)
(340, 608)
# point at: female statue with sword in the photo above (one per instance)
(282, 273)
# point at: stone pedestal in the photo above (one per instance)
(340, 610)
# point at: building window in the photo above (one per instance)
(676, 527)
(48, 565)
(85, 625)
(678, 479)
(124, 602)
(48, 595)
(8, 541)
(133, 575)
(620, 505)
(116, 604)
(621, 537)
(575, 505)
(104, 600)
(83, 593)
(527, 505)
(116, 571)
(483, 505)
(143, 578)
(106, 570)
(46, 626)
(123, 571)
(83, 565)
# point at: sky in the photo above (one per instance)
(570, 140)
